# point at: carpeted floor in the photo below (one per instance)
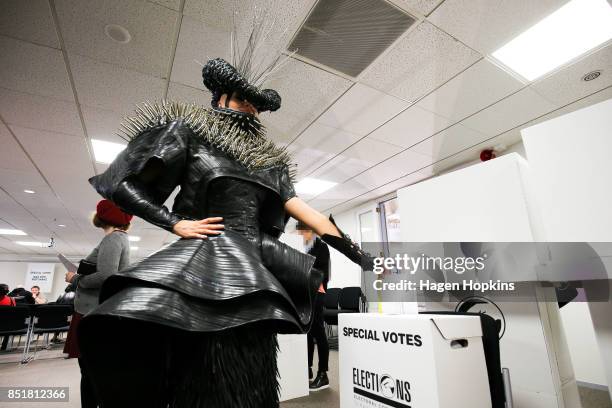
(51, 369)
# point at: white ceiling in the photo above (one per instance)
(430, 102)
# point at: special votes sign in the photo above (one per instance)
(412, 361)
(40, 274)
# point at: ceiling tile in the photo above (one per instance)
(342, 192)
(321, 204)
(471, 155)
(486, 25)
(212, 13)
(28, 20)
(39, 112)
(12, 156)
(357, 158)
(151, 28)
(420, 7)
(361, 110)
(513, 111)
(34, 69)
(111, 87)
(566, 85)
(306, 92)
(393, 168)
(183, 93)
(103, 124)
(197, 44)
(47, 149)
(284, 15)
(418, 63)
(319, 143)
(410, 127)
(449, 141)
(171, 4)
(475, 88)
(596, 97)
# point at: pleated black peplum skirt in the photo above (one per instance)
(218, 302)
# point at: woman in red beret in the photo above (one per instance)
(111, 255)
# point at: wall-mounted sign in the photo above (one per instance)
(41, 275)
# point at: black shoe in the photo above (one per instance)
(319, 383)
(310, 375)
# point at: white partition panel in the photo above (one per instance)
(485, 202)
(569, 158)
(493, 202)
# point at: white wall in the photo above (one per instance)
(569, 158)
(14, 273)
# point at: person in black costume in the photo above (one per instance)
(316, 247)
(195, 323)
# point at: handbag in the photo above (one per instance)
(86, 267)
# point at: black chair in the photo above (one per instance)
(53, 318)
(330, 302)
(15, 321)
(490, 343)
(351, 300)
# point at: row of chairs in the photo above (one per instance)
(30, 320)
(341, 300)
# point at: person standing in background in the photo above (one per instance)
(39, 299)
(314, 246)
(110, 256)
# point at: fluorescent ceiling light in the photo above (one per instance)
(29, 191)
(569, 32)
(105, 152)
(313, 186)
(133, 238)
(134, 248)
(11, 232)
(33, 243)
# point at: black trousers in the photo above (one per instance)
(88, 396)
(317, 334)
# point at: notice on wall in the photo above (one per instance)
(40, 274)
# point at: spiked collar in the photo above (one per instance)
(241, 137)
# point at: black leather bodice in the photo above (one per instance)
(183, 158)
(239, 202)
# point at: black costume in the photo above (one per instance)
(195, 323)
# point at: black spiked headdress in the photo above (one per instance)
(220, 77)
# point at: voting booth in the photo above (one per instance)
(417, 361)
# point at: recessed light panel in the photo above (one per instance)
(569, 32)
(313, 186)
(105, 152)
(11, 232)
(33, 244)
(133, 238)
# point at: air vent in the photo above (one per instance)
(347, 35)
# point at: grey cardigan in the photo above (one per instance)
(111, 255)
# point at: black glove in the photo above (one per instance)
(348, 248)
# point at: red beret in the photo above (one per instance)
(109, 213)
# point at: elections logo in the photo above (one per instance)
(387, 386)
(381, 388)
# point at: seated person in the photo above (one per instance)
(22, 296)
(5, 300)
(39, 299)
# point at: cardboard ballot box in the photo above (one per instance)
(412, 361)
